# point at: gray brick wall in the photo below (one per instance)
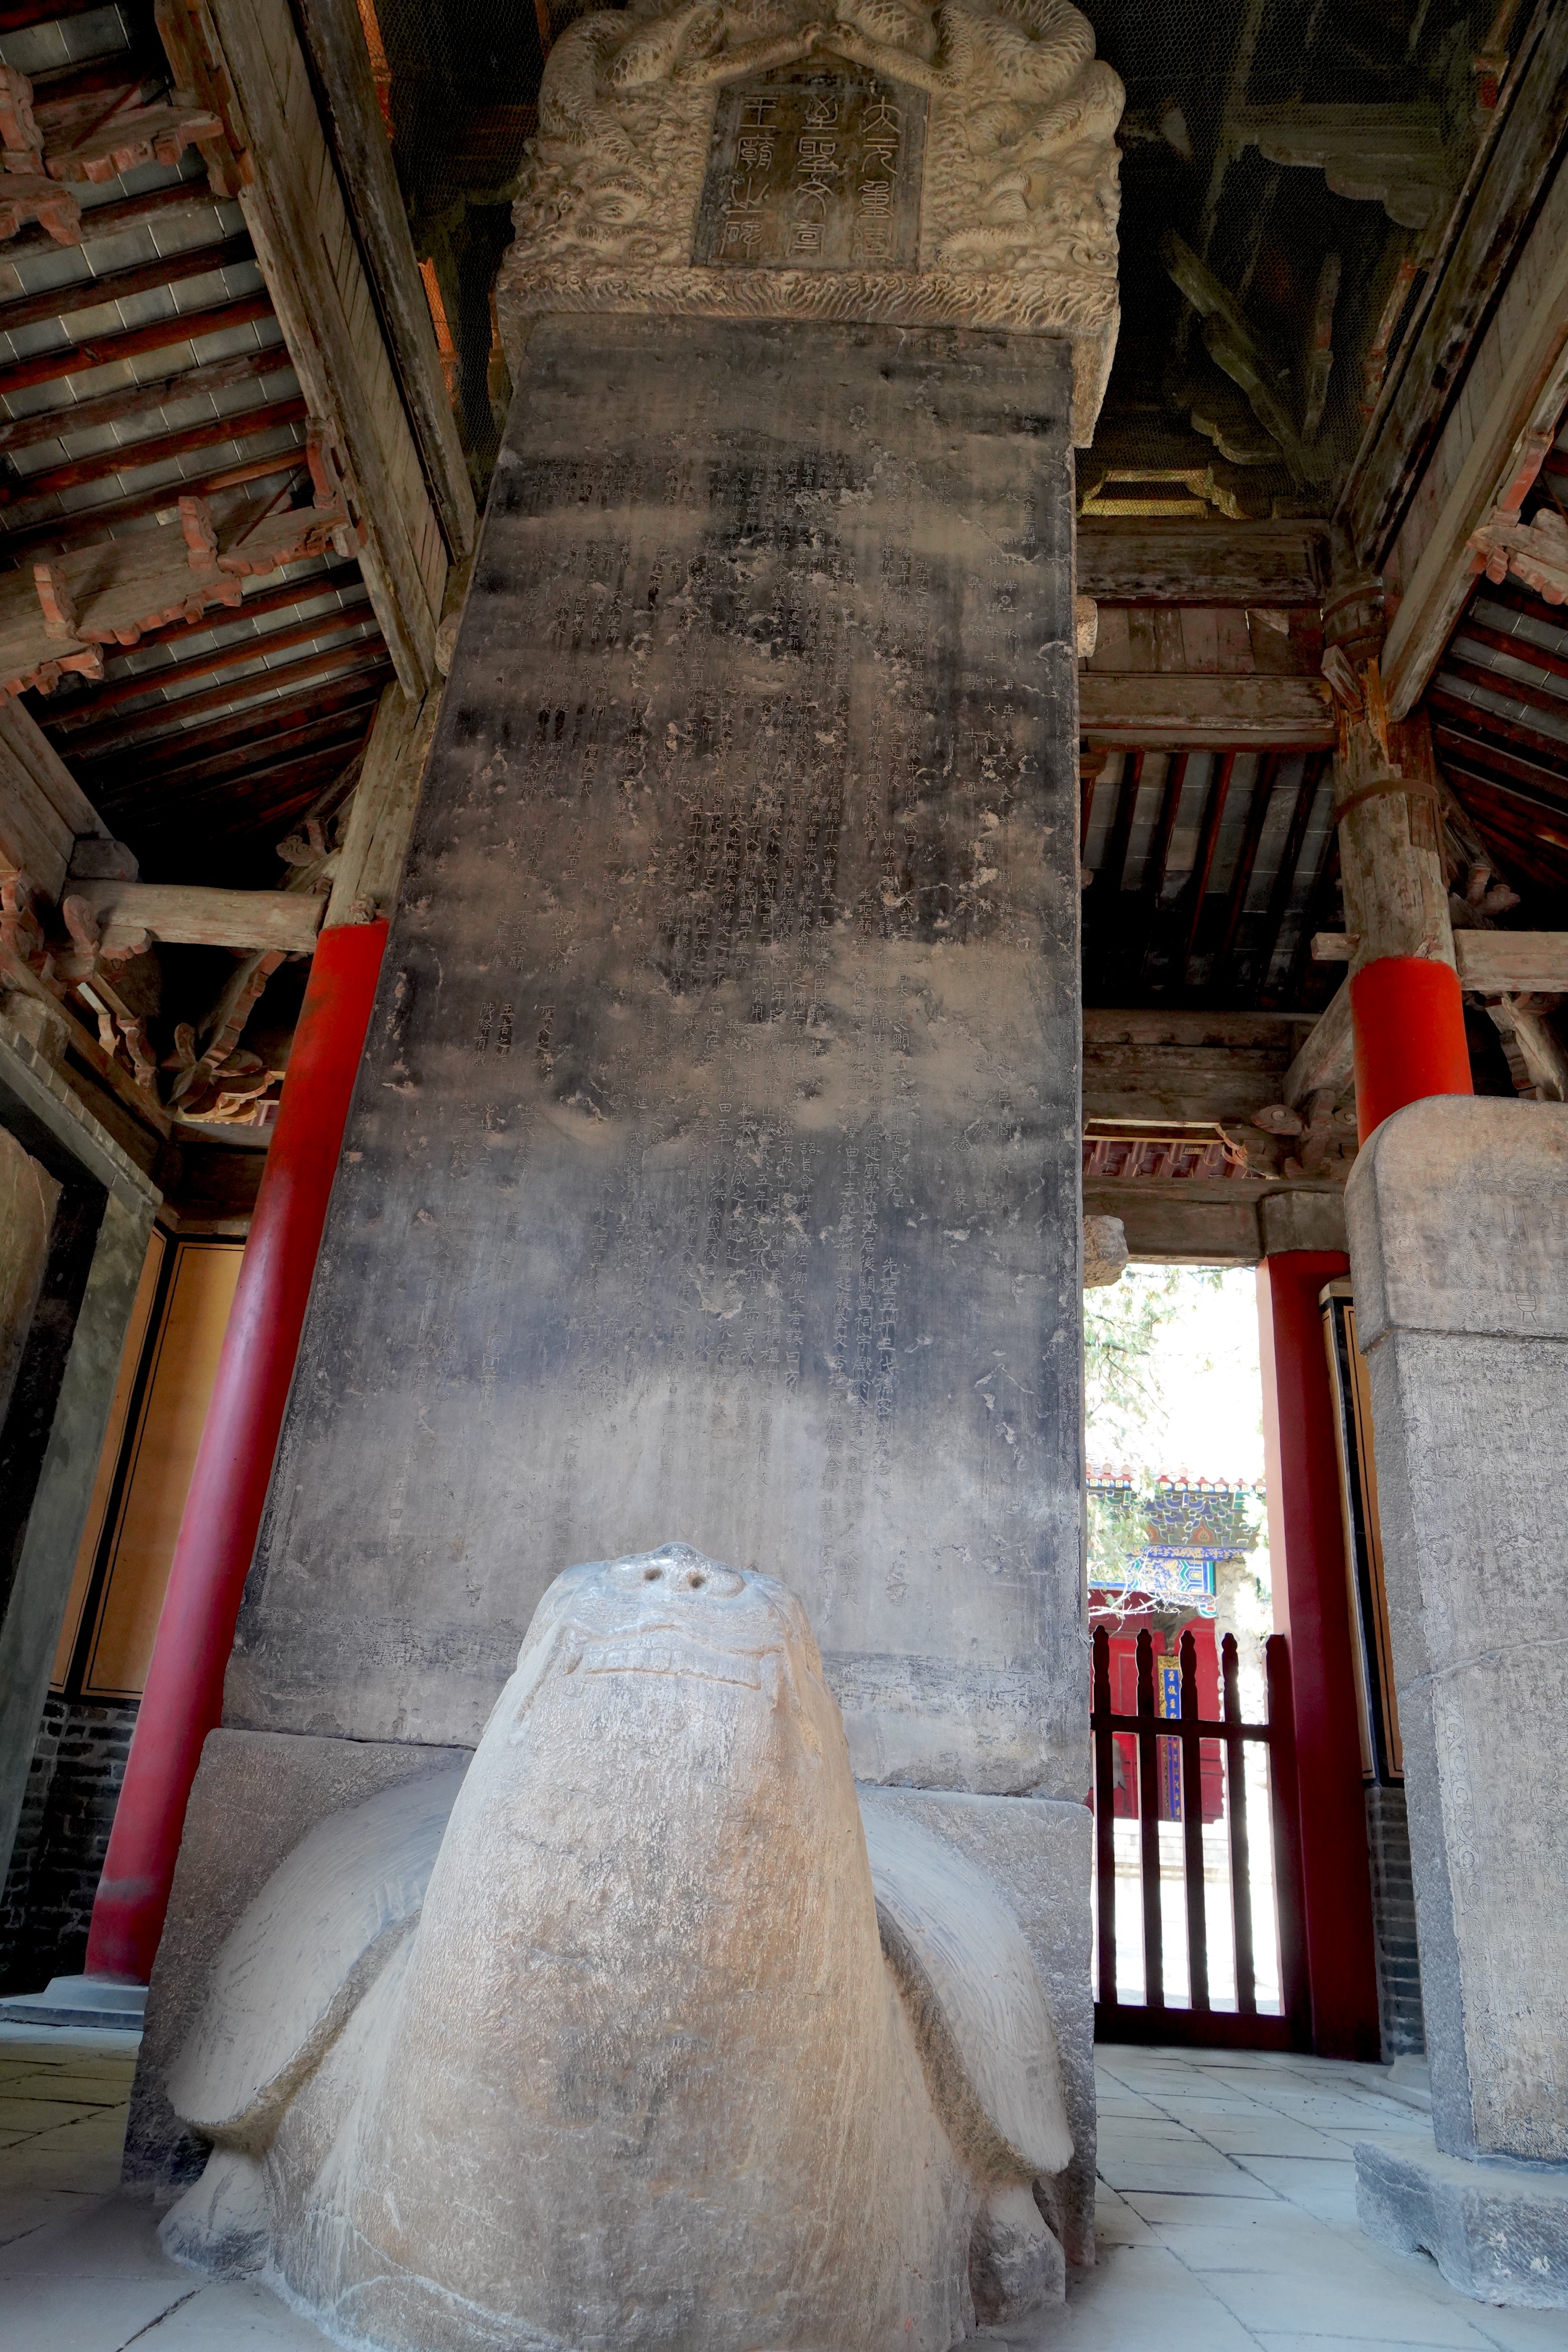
(73, 1786)
(1394, 1925)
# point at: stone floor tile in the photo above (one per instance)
(24, 2210)
(235, 2316)
(40, 2115)
(1179, 2167)
(1362, 2305)
(1262, 2134)
(1115, 2222)
(1270, 2238)
(1141, 2297)
(76, 2314)
(115, 2238)
(26, 2166)
(1323, 2186)
(1519, 2331)
(1273, 2342)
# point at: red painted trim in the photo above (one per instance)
(1409, 1021)
(1311, 1605)
(183, 1698)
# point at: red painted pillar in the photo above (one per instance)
(183, 1698)
(1311, 1606)
(1408, 1018)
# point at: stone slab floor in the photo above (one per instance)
(1226, 2221)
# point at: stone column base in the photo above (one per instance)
(1496, 2227)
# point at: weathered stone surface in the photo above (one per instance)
(759, 159)
(1456, 1211)
(257, 1796)
(1104, 1252)
(715, 1162)
(641, 2075)
(1497, 2229)
(1039, 1853)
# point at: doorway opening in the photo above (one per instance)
(1196, 1907)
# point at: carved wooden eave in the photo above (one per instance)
(1017, 197)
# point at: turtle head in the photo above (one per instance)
(670, 1613)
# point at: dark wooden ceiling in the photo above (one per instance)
(138, 366)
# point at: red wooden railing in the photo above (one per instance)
(1150, 2019)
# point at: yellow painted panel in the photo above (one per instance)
(200, 1295)
(109, 1460)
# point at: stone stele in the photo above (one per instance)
(638, 2032)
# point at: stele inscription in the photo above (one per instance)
(815, 168)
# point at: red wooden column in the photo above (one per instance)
(183, 1698)
(1311, 1605)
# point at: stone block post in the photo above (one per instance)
(1456, 1211)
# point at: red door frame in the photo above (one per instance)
(1311, 1606)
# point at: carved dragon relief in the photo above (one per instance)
(1019, 199)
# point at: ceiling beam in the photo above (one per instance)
(1181, 711)
(1276, 566)
(179, 913)
(1429, 369)
(1488, 456)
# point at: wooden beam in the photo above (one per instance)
(119, 285)
(1495, 208)
(1512, 964)
(1290, 858)
(43, 813)
(1202, 864)
(386, 798)
(1535, 1056)
(1482, 751)
(1276, 565)
(1506, 730)
(1258, 808)
(1503, 429)
(178, 913)
(168, 207)
(246, 62)
(335, 45)
(1325, 1061)
(1180, 1224)
(112, 351)
(1181, 711)
(253, 763)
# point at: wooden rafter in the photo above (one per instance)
(136, 400)
(290, 711)
(238, 426)
(118, 285)
(131, 685)
(1257, 810)
(133, 342)
(165, 718)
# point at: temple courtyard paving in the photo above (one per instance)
(1226, 2221)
